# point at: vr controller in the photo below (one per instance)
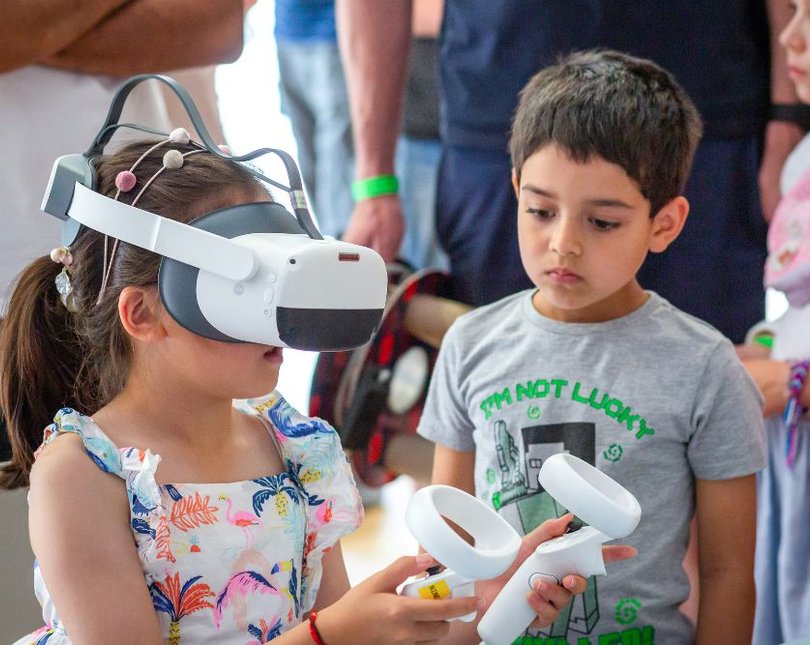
(496, 542)
(247, 273)
(610, 510)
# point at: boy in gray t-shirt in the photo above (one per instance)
(591, 363)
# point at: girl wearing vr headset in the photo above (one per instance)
(170, 513)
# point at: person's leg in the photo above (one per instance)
(417, 166)
(714, 269)
(294, 74)
(476, 222)
(334, 148)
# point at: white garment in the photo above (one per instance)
(791, 341)
(46, 113)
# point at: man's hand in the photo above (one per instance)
(378, 223)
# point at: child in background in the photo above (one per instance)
(169, 514)
(590, 363)
(783, 512)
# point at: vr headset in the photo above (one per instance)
(247, 273)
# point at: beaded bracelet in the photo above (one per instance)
(313, 631)
(794, 410)
(371, 187)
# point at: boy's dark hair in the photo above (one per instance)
(51, 357)
(626, 110)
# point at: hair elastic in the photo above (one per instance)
(64, 286)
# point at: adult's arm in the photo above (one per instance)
(374, 39)
(31, 30)
(780, 136)
(158, 35)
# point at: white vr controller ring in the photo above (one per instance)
(496, 542)
(590, 494)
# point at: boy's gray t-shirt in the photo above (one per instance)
(654, 399)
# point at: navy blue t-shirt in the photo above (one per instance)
(718, 51)
(305, 20)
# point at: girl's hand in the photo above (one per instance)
(372, 612)
(547, 599)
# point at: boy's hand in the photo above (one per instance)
(547, 599)
(372, 612)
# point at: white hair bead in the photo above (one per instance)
(173, 159)
(179, 135)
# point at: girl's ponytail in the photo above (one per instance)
(40, 355)
(50, 356)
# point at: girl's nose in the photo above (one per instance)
(791, 37)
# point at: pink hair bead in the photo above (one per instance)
(125, 181)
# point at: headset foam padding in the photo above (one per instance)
(178, 281)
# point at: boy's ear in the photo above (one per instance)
(515, 184)
(140, 312)
(668, 223)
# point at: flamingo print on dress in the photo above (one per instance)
(237, 589)
(243, 519)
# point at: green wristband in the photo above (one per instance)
(374, 187)
(766, 340)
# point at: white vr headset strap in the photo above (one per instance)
(167, 237)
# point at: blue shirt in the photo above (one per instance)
(305, 20)
(718, 52)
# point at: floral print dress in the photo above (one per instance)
(236, 562)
